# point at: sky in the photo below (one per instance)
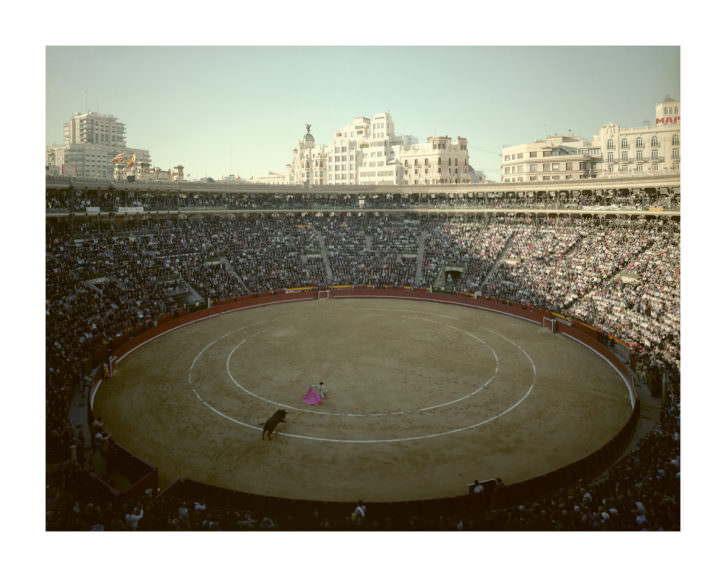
(220, 110)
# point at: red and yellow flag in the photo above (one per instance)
(118, 158)
(131, 161)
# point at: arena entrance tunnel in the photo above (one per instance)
(449, 275)
(466, 392)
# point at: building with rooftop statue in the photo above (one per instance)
(368, 151)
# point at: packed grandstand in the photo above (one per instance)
(111, 276)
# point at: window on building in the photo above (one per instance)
(639, 142)
(546, 153)
(546, 167)
(676, 140)
(520, 155)
(533, 168)
(611, 144)
(610, 156)
(623, 143)
(506, 157)
(568, 166)
(654, 141)
(676, 154)
(555, 166)
(638, 155)
(624, 155)
(533, 154)
(654, 154)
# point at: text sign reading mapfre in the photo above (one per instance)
(668, 120)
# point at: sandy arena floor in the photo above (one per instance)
(422, 399)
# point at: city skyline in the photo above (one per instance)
(242, 110)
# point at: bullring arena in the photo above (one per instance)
(422, 398)
(503, 336)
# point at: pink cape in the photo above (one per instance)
(312, 397)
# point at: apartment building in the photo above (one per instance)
(613, 152)
(91, 141)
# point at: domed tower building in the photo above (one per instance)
(308, 161)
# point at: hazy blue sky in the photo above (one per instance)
(241, 110)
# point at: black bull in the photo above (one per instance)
(270, 424)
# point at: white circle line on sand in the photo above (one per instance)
(373, 441)
(215, 341)
(330, 413)
(370, 441)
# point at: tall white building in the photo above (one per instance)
(612, 152)
(368, 151)
(91, 141)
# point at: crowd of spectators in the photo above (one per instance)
(642, 302)
(553, 264)
(463, 242)
(371, 250)
(106, 279)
